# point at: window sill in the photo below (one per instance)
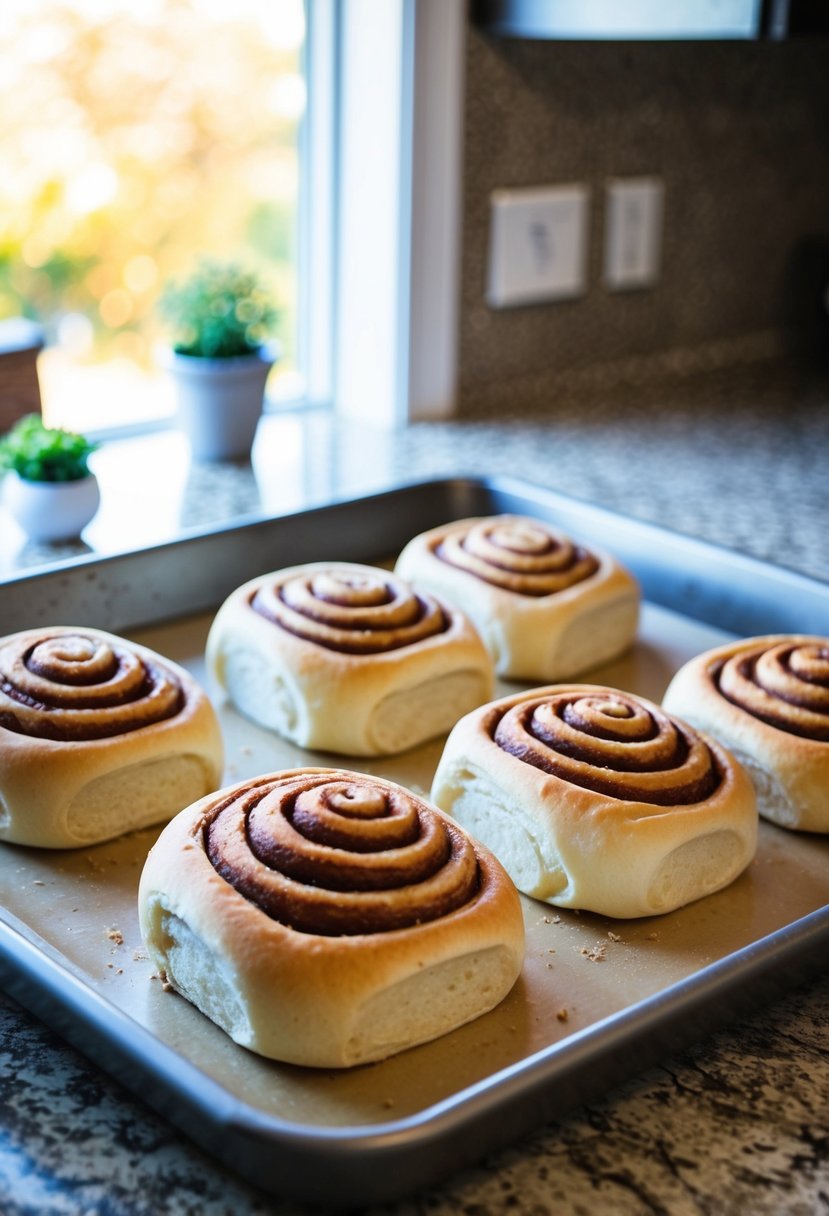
(153, 493)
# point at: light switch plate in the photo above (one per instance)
(633, 232)
(538, 245)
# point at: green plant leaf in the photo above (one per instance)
(221, 311)
(39, 453)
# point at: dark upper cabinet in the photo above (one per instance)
(655, 20)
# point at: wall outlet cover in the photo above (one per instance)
(633, 232)
(538, 245)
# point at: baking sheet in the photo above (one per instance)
(590, 988)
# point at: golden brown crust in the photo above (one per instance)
(338, 854)
(594, 798)
(78, 685)
(519, 554)
(346, 658)
(348, 609)
(767, 699)
(84, 713)
(546, 607)
(610, 742)
(401, 913)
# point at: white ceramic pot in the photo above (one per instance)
(220, 401)
(51, 510)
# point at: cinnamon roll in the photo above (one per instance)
(347, 658)
(767, 700)
(328, 918)
(597, 799)
(547, 607)
(98, 736)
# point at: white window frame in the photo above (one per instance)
(380, 213)
(318, 175)
(390, 346)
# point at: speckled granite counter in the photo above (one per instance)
(740, 1123)
(739, 461)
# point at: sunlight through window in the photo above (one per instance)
(140, 135)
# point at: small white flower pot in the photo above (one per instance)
(51, 510)
(220, 401)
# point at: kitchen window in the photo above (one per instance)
(138, 136)
(320, 141)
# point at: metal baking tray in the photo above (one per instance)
(597, 1001)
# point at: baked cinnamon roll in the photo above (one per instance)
(767, 700)
(546, 607)
(328, 918)
(347, 658)
(98, 736)
(596, 799)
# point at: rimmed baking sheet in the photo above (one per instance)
(597, 999)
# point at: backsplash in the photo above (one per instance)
(739, 134)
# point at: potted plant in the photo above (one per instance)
(48, 486)
(219, 318)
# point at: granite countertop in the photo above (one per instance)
(738, 1123)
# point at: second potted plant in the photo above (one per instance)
(48, 486)
(220, 319)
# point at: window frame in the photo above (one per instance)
(398, 261)
(378, 268)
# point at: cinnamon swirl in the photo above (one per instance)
(98, 736)
(328, 918)
(347, 658)
(546, 607)
(767, 700)
(597, 799)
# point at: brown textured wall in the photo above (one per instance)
(739, 132)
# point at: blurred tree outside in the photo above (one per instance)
(139, 135)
